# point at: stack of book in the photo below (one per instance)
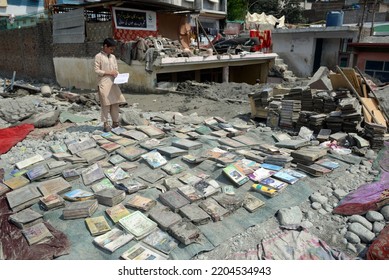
(195, 214)
(37, 234)
(140, 202)
(57, 185)
(110, 197)
(214, 209)
(313, 169)
(290, 113)
(308, 155)
(113, 239)
(278, 160)
(138, 224)
(80, 209)
(97, 225)
(130, 185)
(26, 218)
(78, 195)
(185, 232)
(51, 201)
(186, 144)
(23, 197)
(172, 151)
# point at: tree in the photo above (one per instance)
(236, 9)
(293, 11)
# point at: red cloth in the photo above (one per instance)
(12, 135)
(379, 249)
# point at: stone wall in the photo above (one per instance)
(28, 51)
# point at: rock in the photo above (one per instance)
(363, 233)
(290, 216)
(385, 212)
(327, 207)
(352, 237)
(46, 91)
(317, 197)
(339, 193)
(362, 220)
(316, 205)
(322, 211)
(306, 224)
(374, 216)
(374, 172)
(352, 248)
(44, 119)
(378, 226)
(370, 154)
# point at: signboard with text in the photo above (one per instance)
(135, 19)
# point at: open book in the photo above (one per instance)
(121, 78)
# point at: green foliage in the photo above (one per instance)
(292, 11)
(236, 9)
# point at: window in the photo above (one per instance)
(378, 69)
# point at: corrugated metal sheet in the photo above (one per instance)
(69, 27)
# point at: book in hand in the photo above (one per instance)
(92, 174)
(26, 218)
(286, 177)
(110, 197)
(270, 192)
(80, 209)
(140, 252)
(154, 159)
(37, 234)
(117, 212)
(274, 184)
(51, 201)
(113, 239)
(161, 241)
(78, 195)
(138, 224)
(97, 225)
(252, 203)
(140, 202)
(235, 174)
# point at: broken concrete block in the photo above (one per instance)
(320, 79)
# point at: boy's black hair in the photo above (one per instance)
(109, 42)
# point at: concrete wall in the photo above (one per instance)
(28, 51)
(296, 50)
(330, 53)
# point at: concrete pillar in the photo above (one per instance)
(226, 72)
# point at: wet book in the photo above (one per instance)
(126, 165)
(92, 155)
(251, 203)
(260, 174)
(111, 136)
(173, 199)
(4, 189)
(75, 159)
(171, 151)
(246, 140)
(97, 225)
(186, 144)
(70, 174)
(286, 177)
(56, 163)
(23, 197)
(92, 174)
(78, 195)
(172, 183)
(203, 130)
(327, 163)
(130, 185)
(207, 188)
(274, 184)
(185, 232)
(26, 218)
(152, 177)
(113, 239)
(151, 131)
(140, 202)
(54, 186)
(313, 169)
(189, 178)
(16, 182)
(164, 217)
(61, 155)
(37, 172)
(270, 166)
(230, 202)
(195, 214)
(266, 191)
(235, 174)
(136, 135)
(190, 193)
(214, 209)
(231, 142)
(140, 252)
(58, 148)
(247, 166)
(80, 209)
(116, 159)
(172, 168)
(29, 161)
(51, 201)
(126, 142)
(151, 144)
(102, 185)
(294, 173)
(37, 234)
(154, 159)
(111, 146)
(117, 212)
(194, 158)
(110, 197)
(80, 146)
(161, 241)
(116, 174)
(118, 130)
(138, 224)
(131, 153)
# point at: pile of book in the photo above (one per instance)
(290, 113)
(113, 239)
(80, 209)
(137, 224)
(110, 196)
(51, 201)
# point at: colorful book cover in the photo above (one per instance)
(271, 166)
(235, 174)
(286, 177)
(260, 174)
(273, 183)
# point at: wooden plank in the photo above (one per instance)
(372, 106)
(364, 90)
(338, 81)
(352, 77)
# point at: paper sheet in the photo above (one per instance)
(121, 78)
